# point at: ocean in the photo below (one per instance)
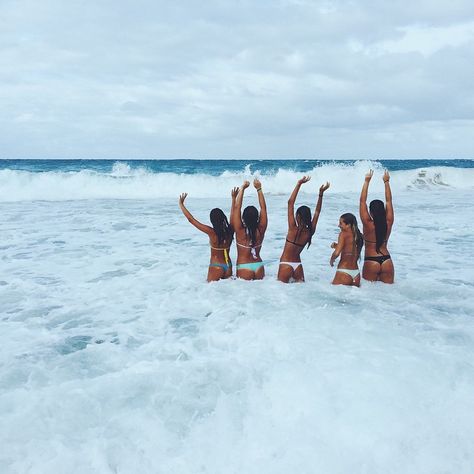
(118, 357)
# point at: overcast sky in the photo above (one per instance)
(236, 79)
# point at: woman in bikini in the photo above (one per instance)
(377, 225)
(348, 246)
(220, 235)
(250, 230)
(300, 231)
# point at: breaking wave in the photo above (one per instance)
(125, 182)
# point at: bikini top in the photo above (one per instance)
(295, 243)
(252, 248)
(226, 252)
(372, 242)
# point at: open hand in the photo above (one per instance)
(369, 175)
(234, 192)
(257, 184)
(182, 197)
(304, 179)
(324, 187)
(386, 176)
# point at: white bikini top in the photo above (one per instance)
(252, 249)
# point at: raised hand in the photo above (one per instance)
(257, 184)
(182, 197)
(369, 175)
(304, 179)
(386, 176)
(324, 187)
(245, 184)
(234, 192)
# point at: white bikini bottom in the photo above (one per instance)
(352, 273)
(293, 265)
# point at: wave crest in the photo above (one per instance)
(123, 182)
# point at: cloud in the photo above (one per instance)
(288, 78)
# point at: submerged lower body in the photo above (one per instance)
(347, 276)
(290, 271)
(219, 271)
(378, 268)
(251, 270)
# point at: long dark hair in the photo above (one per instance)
(251, 220)
(379, 215)
(358, 240)
(221, 225)
(304, 213)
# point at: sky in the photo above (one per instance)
(236, 79)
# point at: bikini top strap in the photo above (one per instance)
(249, 247)
(295, 243)
(372, 242)
(226, 252)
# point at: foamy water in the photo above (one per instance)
(124, 182)
(117, 357)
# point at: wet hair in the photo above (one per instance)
(251, 219)
(379, 216)
(221, 225)
(358, 240)
(304, 213)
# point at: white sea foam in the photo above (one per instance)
(117, 357)
(125, 182)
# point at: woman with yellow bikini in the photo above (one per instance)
(301, 229)
(220, 235)
(348, 247)
(250, 230)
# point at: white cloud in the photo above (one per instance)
(427, 40)
(270, 78)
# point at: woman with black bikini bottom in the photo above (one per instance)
(377, 223)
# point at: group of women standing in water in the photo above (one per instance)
(250, 225)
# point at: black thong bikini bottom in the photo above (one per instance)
(379, 259)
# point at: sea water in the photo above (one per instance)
(116, 356)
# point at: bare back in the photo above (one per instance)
(294, 245)
(349, 255)
(370, 239)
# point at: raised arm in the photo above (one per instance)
(199, 225)
(233, 194)
(363, 210)
(292, 199)
(337, 246)
(237, 214)
(263, 206)
(388, 199)
(319, 206)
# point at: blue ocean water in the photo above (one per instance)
(118, 357)
(215, 167)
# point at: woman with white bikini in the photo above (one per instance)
(301, 229)
(250, 227)
(348, 247)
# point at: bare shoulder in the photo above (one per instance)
(368, 228)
